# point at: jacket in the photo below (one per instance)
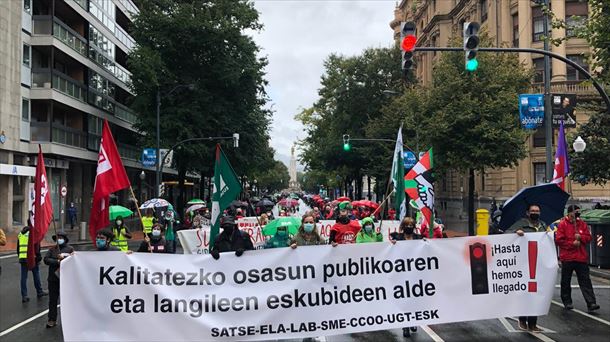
(277, 241)
(527, 227)
(363, 237)
(52, 259)
(564, 238)
(232, 242)
(157, 245)
(304, 239)
(396, 236)
(22, 249)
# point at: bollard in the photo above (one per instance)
(83, 231)
(482, 222)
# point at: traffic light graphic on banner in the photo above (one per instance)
(478, 268)
(471, 45)
(407, 45)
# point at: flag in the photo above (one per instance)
(226, 190)
(419, 186)
(110, 177)
(562, 167)
(398, 173)
(42, 211)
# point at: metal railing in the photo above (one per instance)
(82, 3)
(131, 8)
(40, 131)
(571, 87)
(124, 37)
(128, 151)
(69, 37)
(68, 136)
(123, 112)
(69, 86)
(42, 24)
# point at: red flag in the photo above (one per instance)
(110, 177)
(42, 211)
(562, 167)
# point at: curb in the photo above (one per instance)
(599, 272)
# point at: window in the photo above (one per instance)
(572, 73)
(539, 173)
(515, 30)
(576, 15)
(26, 55)
(538, 24)
(27, 6)
(484, 10)
(539, 137)
(25, 109)
(539, 67)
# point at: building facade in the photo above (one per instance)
(517, 23)
(64, 68)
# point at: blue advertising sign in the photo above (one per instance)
(409, 160)
(531, 110)
(149, 157)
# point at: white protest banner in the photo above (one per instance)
(197, 241)
(304, 292)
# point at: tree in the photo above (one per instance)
(592, 165)
(274, 179)
(201, 43)
(471, 118)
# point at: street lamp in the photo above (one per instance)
(142, 176)
(158, 173)
(579, 145)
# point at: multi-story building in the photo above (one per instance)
(64, 70)
(517, 23)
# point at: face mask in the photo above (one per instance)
(577, 214)
(409, 229)
(344, 219)
(228, 229)
(534, 217)
(308, 227)
(156, 233)
(119, 222)
(100, 243)
(368, 229)
(61, 241)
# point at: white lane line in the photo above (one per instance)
(507, 325)
(431, 333)
(594, 286)
(584, 314)
(15, 254)
(19, 325)
(544, 330)
(541, 337)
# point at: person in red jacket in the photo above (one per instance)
(344, 230)
(572, 236)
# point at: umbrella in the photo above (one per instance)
(549, 197)
(344, 198)
(265, 203)
(195, 207)
(369, 204)
(154, 203)
(117, 210)
(293, 224)
(239, 204)
(196, 201)
(357, 204)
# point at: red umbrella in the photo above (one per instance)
(283, 202)
(369, 204)
(344, 198)
(294, 202)
(357, 203)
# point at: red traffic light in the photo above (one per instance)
(408, 43)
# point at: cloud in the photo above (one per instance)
(297, 37)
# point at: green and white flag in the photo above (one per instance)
(226, 189)
(398, 174)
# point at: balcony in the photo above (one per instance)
(128, 151)
(131, 8)
(124, 37)
(111, 105)
(82, 3)
(124, 113)
(60, 82)
(68, 136)
(570, 87)
(46, 25)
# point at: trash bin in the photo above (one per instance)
(83, 231)
(599, 248)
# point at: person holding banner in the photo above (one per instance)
(279, 239)
(156, 243)
(368, 234)
(103, 241)
(53, 258)
(121, 234)
(308, 234)
(345, 229)
(231, 239)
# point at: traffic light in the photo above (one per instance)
(346, 145)
(471, 45)
(235, 140)
(478, 268)
(407, 44)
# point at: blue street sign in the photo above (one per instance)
(149, 157)
(409, 160)
(531, 110)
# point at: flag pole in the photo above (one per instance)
(139, 215)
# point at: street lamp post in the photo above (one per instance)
(142, 178)
(579, 145)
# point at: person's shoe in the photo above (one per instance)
(42, 294)
(568, 306)
(51, 324)
(25, 299)
(406, 332)
(522, 326)
(413, 329)
(593, 307)
(535, 329)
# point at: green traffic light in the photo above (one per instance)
(472, 64)
(346, 147)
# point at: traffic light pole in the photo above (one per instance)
(548, 125)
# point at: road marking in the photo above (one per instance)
(507, 325)
(584, 313)
(15, 254)
(594, 286)
(19, 325)
(541, 337)
(431, 333)
(544, 330)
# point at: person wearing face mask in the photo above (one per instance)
(53, 258)
(22, 253)
(156, 243)
(103, 239)
(368, 233)
(572, 237)
(121, 233)
(279, 239)
(308, 234)
(231, 239)
(344, 231)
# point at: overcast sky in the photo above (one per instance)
(297, 37)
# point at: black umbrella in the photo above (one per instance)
(265, 203)
(549, 197)
(238, 204)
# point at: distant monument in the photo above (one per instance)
(292, 170)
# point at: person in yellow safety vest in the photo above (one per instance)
(22, 251)
(121, 234)
(148, 221)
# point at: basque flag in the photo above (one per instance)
(562, 167)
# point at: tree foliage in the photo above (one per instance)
(273, 179)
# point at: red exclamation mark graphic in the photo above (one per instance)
(532, 253)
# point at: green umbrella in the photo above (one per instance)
(117, 210)
(196, 201)
(293, 224)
